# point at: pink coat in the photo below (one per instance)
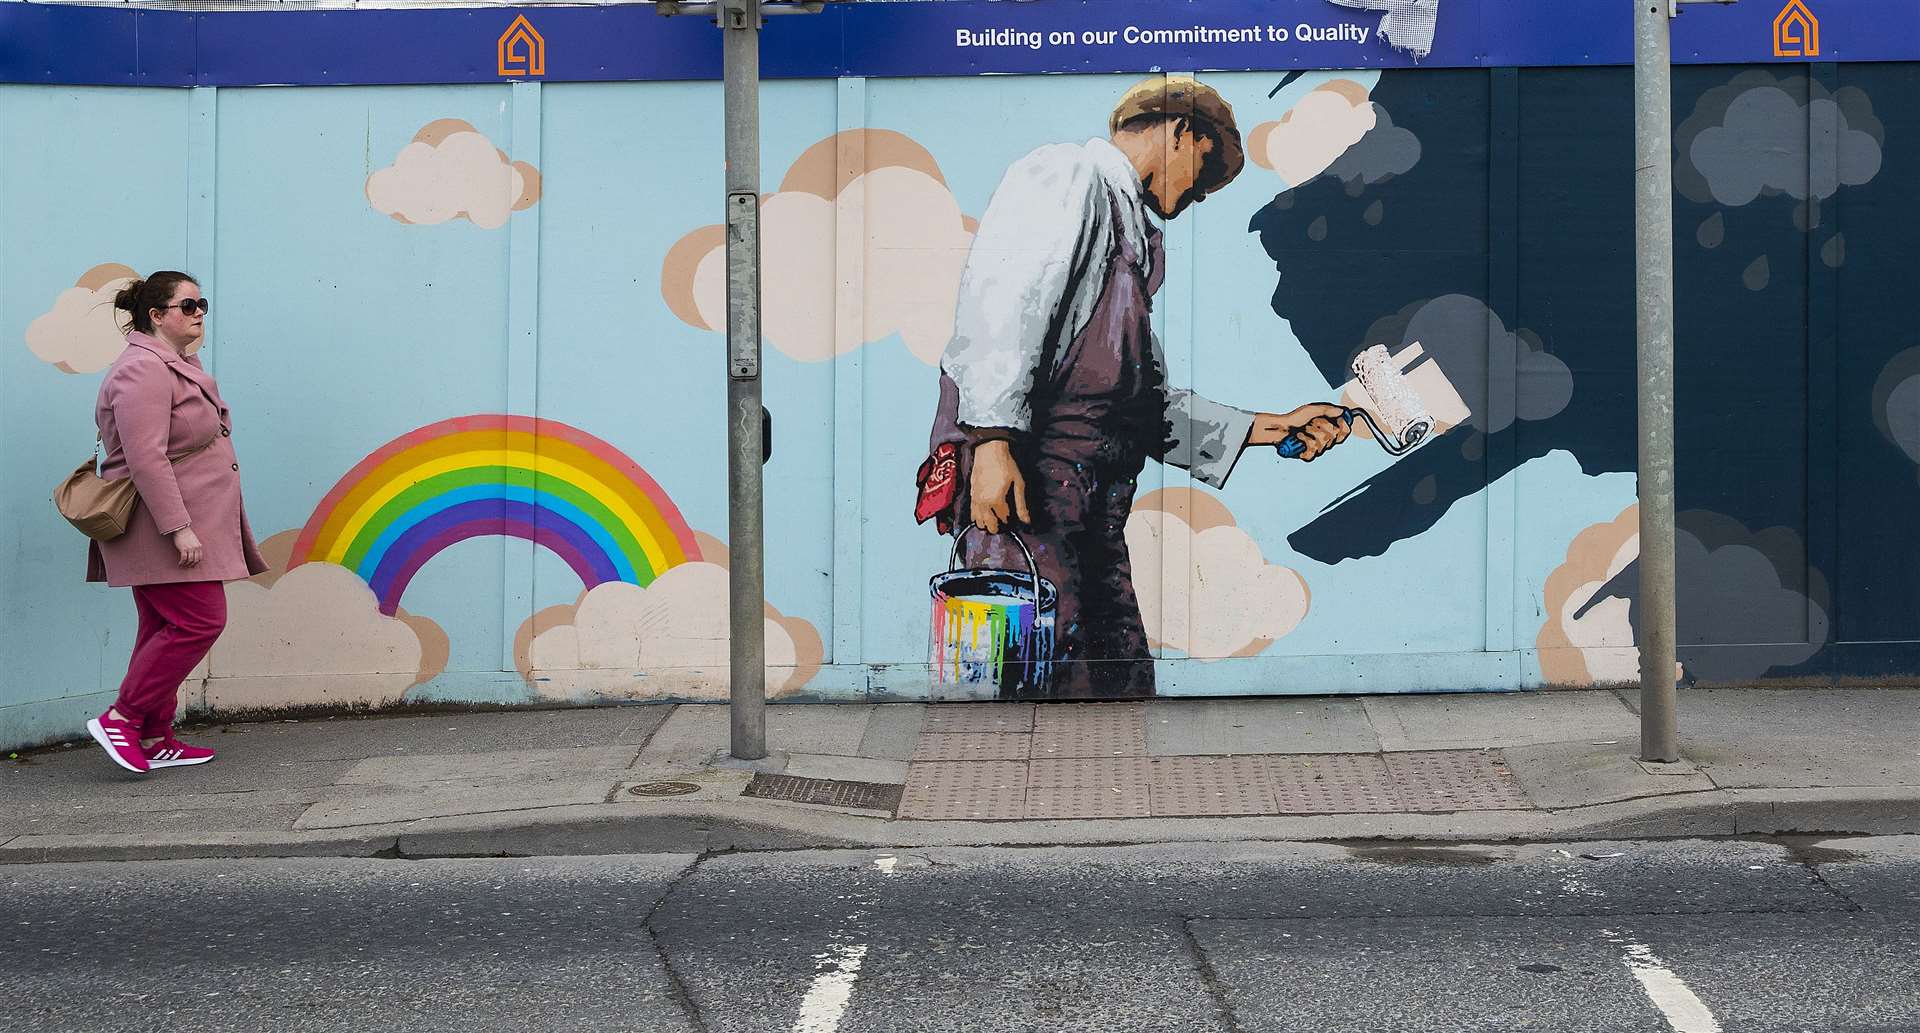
(155, 403)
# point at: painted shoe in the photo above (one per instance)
(172, 753)
(121, 741)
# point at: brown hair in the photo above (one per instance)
(1213, 168)
(139, 298)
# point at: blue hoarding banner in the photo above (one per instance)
(49, 43)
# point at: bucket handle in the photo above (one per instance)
(953, 561)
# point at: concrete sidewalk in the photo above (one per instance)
(1556, 765)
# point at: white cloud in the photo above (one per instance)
(667, 639)
(315, 636)
(1231, 601)
(82, 332)
(1314, 132)
(913, 241)
(451, 171)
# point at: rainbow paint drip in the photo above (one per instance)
(988, 633)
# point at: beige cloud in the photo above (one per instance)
(621, 641)
(314, 636)
(1595, 647)
(82, 332)
(1230, 602)
(909, 234)
(452, 171)
(1314, 132)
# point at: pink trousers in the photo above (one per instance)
(178, 624)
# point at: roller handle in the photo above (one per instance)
(1291, 446)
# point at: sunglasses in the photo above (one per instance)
(191, 305)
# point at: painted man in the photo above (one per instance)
(1053, 388)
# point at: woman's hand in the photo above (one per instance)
(1319, 425)
(189, 545)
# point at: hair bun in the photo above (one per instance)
(128, 299)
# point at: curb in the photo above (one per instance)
(722, 826)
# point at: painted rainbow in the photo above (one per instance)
(512, 476)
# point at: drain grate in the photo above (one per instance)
(864, 796)
(663, 789)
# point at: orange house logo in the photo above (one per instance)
(1796, 32)
(523, 51)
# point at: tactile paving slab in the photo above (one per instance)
(972, 746)
(1333, 783)
(1089, 802)
(993, 790)
(1194, 786)
(1086, 713)
(867, 796)
(1062, 773)
(1090, 730)
(979, 717)
(1090, 787)
(1456, 780)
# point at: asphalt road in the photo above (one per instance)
(1688, 937)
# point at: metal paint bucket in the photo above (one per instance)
(992, 630)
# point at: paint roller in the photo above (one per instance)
(1397, 405)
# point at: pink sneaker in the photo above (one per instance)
(121, 741)
(172, 753)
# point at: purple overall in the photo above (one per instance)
(1099, 411)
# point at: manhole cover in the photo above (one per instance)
(864, 796)
(663, 789)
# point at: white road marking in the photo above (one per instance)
(826, 1000)
(1684, 1010)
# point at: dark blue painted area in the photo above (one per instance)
(1431, 241)
(83, 45)
(1877, 511)
(1798, 457)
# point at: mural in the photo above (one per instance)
(1066, 334)
(1054, 392)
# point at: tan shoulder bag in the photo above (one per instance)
(97, 507)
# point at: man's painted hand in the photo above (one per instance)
(1318, 425)
(996, 480)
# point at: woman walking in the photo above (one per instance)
(163, 423)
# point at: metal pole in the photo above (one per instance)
(1653, 238)
(747, 668)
